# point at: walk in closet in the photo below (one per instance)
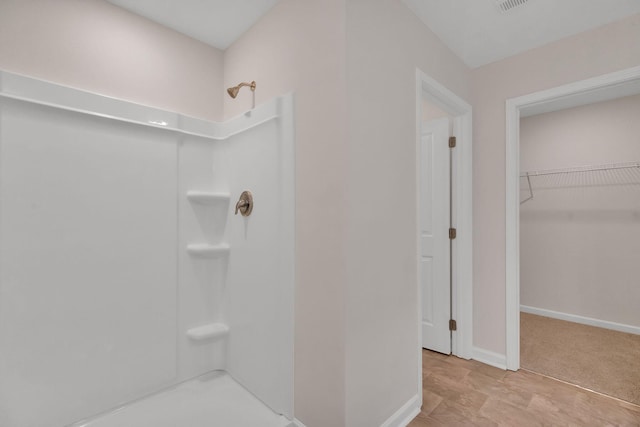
(580, 245)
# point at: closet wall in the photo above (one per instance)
(580, 234)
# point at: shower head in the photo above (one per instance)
(233, 91)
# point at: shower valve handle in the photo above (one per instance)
(245, 204)
(240, 205)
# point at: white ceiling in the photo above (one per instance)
(478, 33)
(215, 22)
(475, 30)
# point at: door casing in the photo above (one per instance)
(462, 259)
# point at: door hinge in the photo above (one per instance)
(452, 141)
(453, 325)
(452, 233)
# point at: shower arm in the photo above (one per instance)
(252, 85)
(233, 91)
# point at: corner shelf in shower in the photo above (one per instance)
(203, 250)
(209, 331)
(207, 198)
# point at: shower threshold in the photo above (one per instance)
(211, 400)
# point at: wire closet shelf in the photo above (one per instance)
(581, 176)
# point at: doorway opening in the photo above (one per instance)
(607, 87)
(580, 245)
(458, 280)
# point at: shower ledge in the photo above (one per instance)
(207, 198)
(203, 250)
(210, 331)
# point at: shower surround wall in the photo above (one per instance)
(123, 269)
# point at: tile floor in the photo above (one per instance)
(461, 392)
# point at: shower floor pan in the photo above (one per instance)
(212, 400)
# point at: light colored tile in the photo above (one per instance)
(453, 390)
(429, 401)
(460, 392)
(497, 389)
(506, 414)
(439, 368)
(452, 414)
(423, 420)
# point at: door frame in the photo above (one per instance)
(562, 96)
(462, 260)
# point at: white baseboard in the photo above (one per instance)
(581, 319)
(297, 423)
(405, 414)
(490, 358)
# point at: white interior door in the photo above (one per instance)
(434, 222)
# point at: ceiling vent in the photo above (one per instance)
(507, 5)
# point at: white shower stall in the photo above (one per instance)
(131, 294)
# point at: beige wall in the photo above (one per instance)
(386, 42)
(580, 235)
(299, 46)
(350, 217)
(603, 50)
(95, 46)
